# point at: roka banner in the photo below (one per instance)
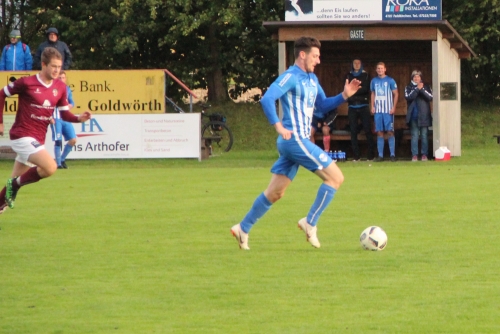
(362, 10)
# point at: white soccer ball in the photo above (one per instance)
(373, 238)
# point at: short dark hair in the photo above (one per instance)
(305, 44)
(49, 53)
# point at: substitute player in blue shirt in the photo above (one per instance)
(301, 96)
(384, 100)
(63, 130)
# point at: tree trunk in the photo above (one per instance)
(217, 90)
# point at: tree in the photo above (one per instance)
(207, 44)
(479, 24)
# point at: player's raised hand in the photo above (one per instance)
(350, 88)
(85, 116)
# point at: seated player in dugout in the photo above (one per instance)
(326, 125)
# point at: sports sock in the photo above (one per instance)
(2, 195)
(259, 208)
(326, 143)
(67, 150)
(323, 198)
(57, 152)
(380, 146)
(392, 145)
(31, 176)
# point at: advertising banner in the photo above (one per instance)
(362, 10)
(106, 92)
(136, 136)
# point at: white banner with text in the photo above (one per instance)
(136, 136)
(362, 10)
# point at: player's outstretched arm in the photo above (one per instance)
(1, 129)
(85, 116)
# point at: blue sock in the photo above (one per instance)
(323, 198)
(259, 208)
(380, 146)
(57, 154)
(67, 150)
(392, 145)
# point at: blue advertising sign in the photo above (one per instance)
(424, 10)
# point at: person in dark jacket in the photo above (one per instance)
(359, 109)
(16, 56)
(53, 41)
(418, 116)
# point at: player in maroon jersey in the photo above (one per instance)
(38, 95)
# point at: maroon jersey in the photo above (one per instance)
(36, 105)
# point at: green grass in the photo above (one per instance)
(143, 246)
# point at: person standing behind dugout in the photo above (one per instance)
(384, 99)
(418, 116)
(53, 41)
(16, 56)
(359, 109)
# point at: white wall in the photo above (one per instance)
(446, 114)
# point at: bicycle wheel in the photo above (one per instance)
(218, 137)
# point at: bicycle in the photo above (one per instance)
(215, 133)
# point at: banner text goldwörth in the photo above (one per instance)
(106, 92)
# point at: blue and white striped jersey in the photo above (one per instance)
(301, 96)
(56, 114)
(383, 88)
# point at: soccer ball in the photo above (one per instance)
(373, 238)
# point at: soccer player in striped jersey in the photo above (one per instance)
(38, 96)
(384, 100)
(63, 130)
(301, 96)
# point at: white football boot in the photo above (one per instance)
(310, 232)
(240, 236)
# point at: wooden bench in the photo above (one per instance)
(341, 140)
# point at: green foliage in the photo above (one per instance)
(478, 22)
(479, 123)
(210, 44)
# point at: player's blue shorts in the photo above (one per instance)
(384, 122)
(62, 129)
(297, 152)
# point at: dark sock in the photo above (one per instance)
(31, 176)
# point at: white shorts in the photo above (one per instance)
(24, 147)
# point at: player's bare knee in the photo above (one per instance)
(275, 196)
(72, 142)
(48, 170)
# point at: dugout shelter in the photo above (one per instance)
(433, 47)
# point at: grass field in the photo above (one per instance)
(143, 246)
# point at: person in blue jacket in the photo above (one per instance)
(16, 56)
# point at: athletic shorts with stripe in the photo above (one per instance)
(297, 152)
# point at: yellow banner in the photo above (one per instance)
(106, 92)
